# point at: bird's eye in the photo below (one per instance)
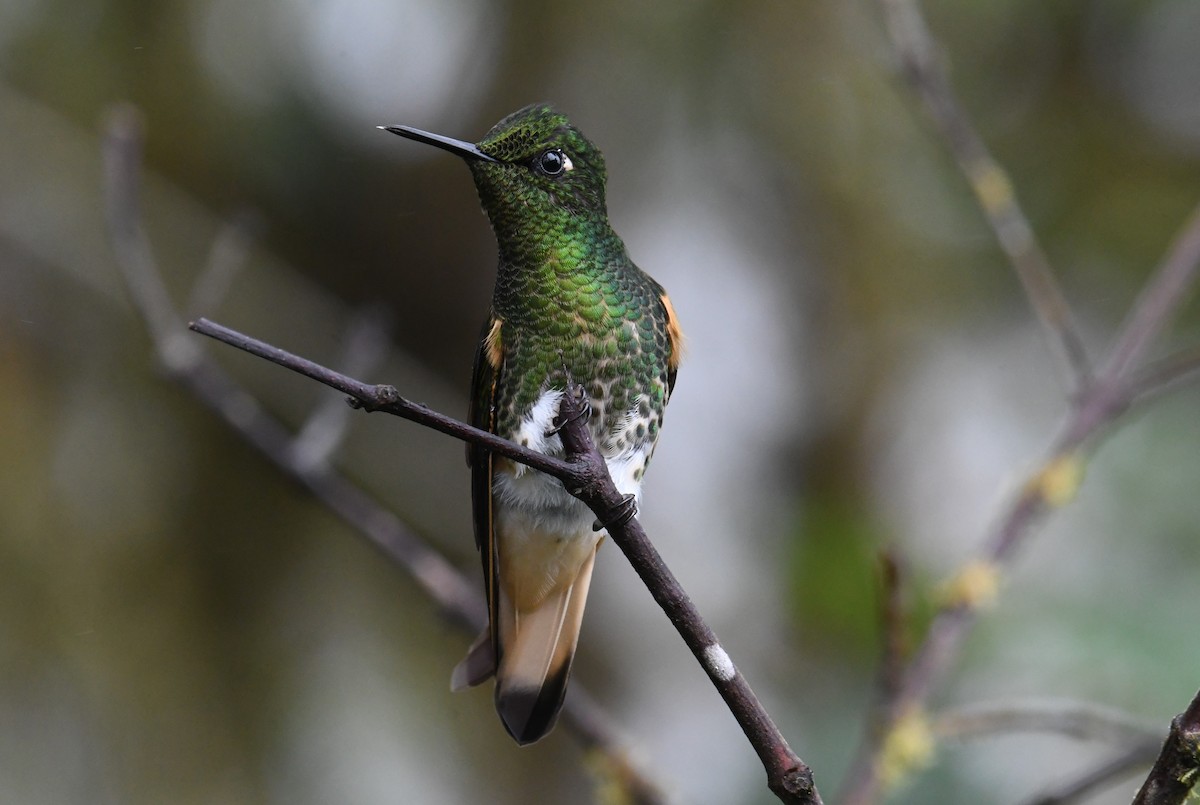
(553, 162)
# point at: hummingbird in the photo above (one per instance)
(568, 305)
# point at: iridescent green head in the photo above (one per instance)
(531, 165)
(543, 159)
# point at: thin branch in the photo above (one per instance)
(458, 600)
(585, 475)
(226, 258)
(122, 191)
(923, 67)
(1103, 775)
(1050, 487)
(1080, 720)
(942, 641)
(1098, 402)
(787, 776)
(365, 347)
(1083, 721)
(1176, 772)
(1159, 300)
(892, 618)
(1165, 374)
(382, 397)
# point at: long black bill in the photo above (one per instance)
(462, 149)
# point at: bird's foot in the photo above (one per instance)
(583, 411)
(620, 514)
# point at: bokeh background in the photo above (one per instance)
(179, 624)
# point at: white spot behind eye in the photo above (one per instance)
(567, 164)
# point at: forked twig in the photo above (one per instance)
(1097, 401)
(923, 67)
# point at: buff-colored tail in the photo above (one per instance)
(537, 645)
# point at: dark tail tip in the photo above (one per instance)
(530, 713)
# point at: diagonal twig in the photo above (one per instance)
(1164, 293)
(457, 598)
(1097, 403)
(585, 475)
(226, 258)
(1049, 487)
(1081, 720)
(1102, 775)
(1165, 374)
(382, 397)
(365, 347)
(1176, 772)
(893, 617)
(923, 67)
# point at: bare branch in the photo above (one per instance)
(1177, 769)
(1101, 776)
(365, 347)
(1051, 486)
(949, 627)
(585, 475)
(385, 398)
(1159, 300)
(457, 598)
(923, 67)
(122, 165)
(1164, 375)
(225, 259)
(892, 617)
(1082, 720)
(787, 776)
(1098, 402)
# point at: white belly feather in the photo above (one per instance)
(544, 533)
(527, 488)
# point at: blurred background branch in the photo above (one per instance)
(1176, 771)
(923, 66)
(1096, 402)
(1133, 759)
(1083, 721)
